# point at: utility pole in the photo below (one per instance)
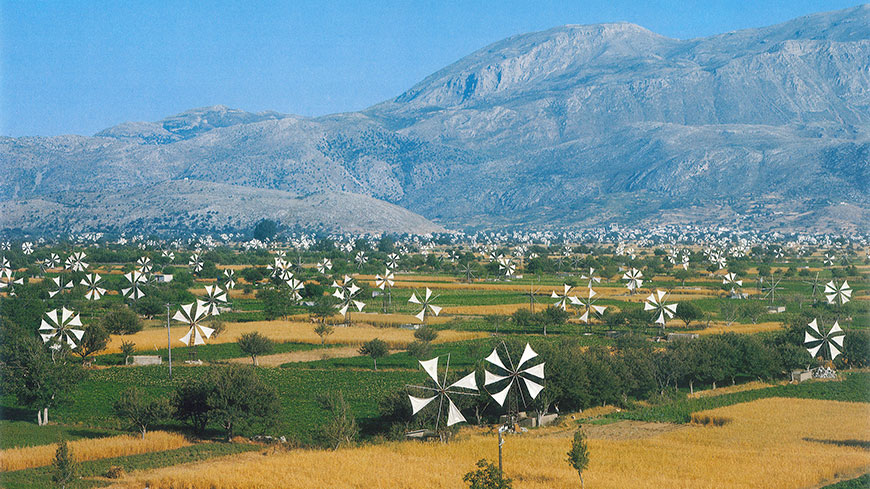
(501, 429)
(169, 341)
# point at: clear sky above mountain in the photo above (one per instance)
(81, 66)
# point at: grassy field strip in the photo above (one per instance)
(294, 331)
(91, 449)
(93, 472)
(719, 327)
(729, 456)
(279, 359)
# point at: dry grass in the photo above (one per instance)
(279, 359)
(91, 449)
(748, 386)
(770, 443)
(292, 331)
(719, 327)
(490, 309)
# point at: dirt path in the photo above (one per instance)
(278, 359)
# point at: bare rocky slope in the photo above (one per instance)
(574, 126)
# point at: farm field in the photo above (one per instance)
(622, 456)
(720, 391)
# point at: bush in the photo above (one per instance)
(64, 467)
(486, 477)
(341, 426)
(93, 341)
(426, 334)
(122, 320)
(419, 349)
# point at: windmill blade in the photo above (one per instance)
(359, 305)
(491, 378)
(815, 349)
(206, 330)
(499, 397)
(428, 294)
(815, 327)
(197, 337)
(536, 371)
(599, 309)
(585, 317)
(420, 315)
(533, 387)
(186, 338)
(414, 299)
(418, 403)
(833, 350)
(343, 309)
(435, 309)
(467, 382)
(453, 414)
(671, 309)
(431, 368)
(79, 333)
(494, 359)
(527, 355)
(808, 338)
(835, 329)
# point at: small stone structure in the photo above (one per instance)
(682, 336)
(139, 360)
(801, 375)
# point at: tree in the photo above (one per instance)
(265, 229)
(426, 334)
(323, 330)
(122, 320)
(375, 348)
(190, 403)
(276, 302)
(64, 467)
(578, 455)
(255, 344)
(95, 339)
(35, 378)
(238, 398)
(688, 312)
(752, 310)
(553, 315)
(323, 309)
(127, 349)
(682, 275)
(139, 410)
(341, 426)
(486, 477)
(729, 311)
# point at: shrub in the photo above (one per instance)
(486, 476)
(122, 320)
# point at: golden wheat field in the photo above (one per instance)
(719, 327)
(769, 443)
(290, 331)
(91, 449)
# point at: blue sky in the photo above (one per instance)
(76, 67)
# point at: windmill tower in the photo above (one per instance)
(442, 392)
(521, 380)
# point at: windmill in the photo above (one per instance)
(92, 282)
(135, 278)
(280, 269)
(360, 259)
(386, 283)
(506, 266)
(591, 278)
(656, 302)
(324, 266)
(730, 279)
(829, 259)
(770, 289)
(507, 375)
(345, 294)
(426, 302)
(230, 276)
(468, 269)
(169, 254)
(59, 286)
(195, 262)
(816, 285)
(76, 262)
(296, 287)
(838, 294)
(533, 291)
(564, 297)
(588, 304)
(52, 261)
(7, 279)
(442, 391)
(191, 314)
(833, 339)
(144, 264)
(634, 278)
(214, 296)
(59, 325)
(27, 248)
(392, 261)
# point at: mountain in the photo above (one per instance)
(573, 126)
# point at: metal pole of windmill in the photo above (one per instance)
(501, 429)
(169, 341)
